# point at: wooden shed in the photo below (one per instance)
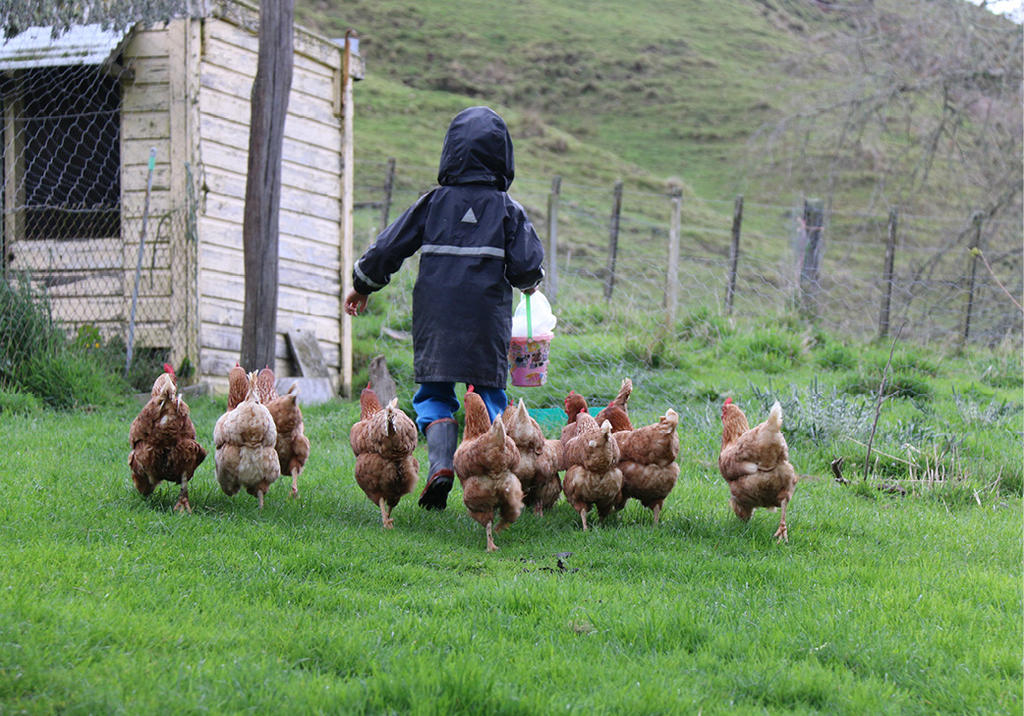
(82, 116)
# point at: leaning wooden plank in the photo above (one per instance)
(306, 353)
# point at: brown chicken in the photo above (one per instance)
(574, 405)
(383, 441)
(292, 445)
(163, 442)
(647, 458)
(483, 462)
(266, 384)
(238, 386)
(539, 459)
(755, 464)
(244, 440)
(616, 411)
(593, 477)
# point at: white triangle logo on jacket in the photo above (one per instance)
(469, 217)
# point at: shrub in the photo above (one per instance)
(768, 350)
(25, 326)
(835, 356)
(66, 379)
(38, 359)
(19, 403)
(703, 328)
(821, 416)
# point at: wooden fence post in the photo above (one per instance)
(887, 272)
(975, 244)
(613, 242)
(734, 252)
(813, 220)
(389, 187)
(672, 277)
(551, 278)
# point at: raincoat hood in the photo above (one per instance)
(477, 150)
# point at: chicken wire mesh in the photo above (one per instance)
(86, 255)
(939, 293)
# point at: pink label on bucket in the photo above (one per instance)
(528, 360)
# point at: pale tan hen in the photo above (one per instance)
(292, 445)
(539, 459)
(593, 477)
(244, 440)
(647, 459)
(483, 462)
(755, 464)
(383, 442)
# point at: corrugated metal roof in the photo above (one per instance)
(80, 45)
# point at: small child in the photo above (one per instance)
(476, 244)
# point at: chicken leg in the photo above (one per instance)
(182, 504)
(491, 547)
(295, 482)
(782, 534)
(385, 516)
(583, 516)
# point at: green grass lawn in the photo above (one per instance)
(111, 603)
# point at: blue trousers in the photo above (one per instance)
(434, 401)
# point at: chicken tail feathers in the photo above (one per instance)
(775, 417)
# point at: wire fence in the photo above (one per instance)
(89, 236)
(92, 234)
(937, 291)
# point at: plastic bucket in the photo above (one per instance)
(528, 360)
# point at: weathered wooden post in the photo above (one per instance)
(672, 276)
(551, 277)
(975, 244)
(347, 249)
(734, 252)
(810, 267)
(887, 272)
(260, 218)
(389, 187)
(613, 242)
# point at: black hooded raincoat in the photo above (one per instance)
(476, 243)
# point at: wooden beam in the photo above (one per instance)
(347, 238)
(269, 108)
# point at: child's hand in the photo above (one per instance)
(355, 303)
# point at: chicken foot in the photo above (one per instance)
(583, 516)
(782, 534)
(385, 516)
(656, 509)
(182, 504)
(259, 496)
(491, 547)
(295, 482)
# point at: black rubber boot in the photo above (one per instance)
(442, 438)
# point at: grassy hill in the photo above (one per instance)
(870, 106)
(676, 89)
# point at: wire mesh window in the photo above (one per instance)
(65, 123)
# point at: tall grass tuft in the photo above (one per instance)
(39, 359)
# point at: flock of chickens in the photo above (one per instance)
(259, 438)
(599, 461)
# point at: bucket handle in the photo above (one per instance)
(529, 321)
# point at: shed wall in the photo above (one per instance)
(309, 260)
